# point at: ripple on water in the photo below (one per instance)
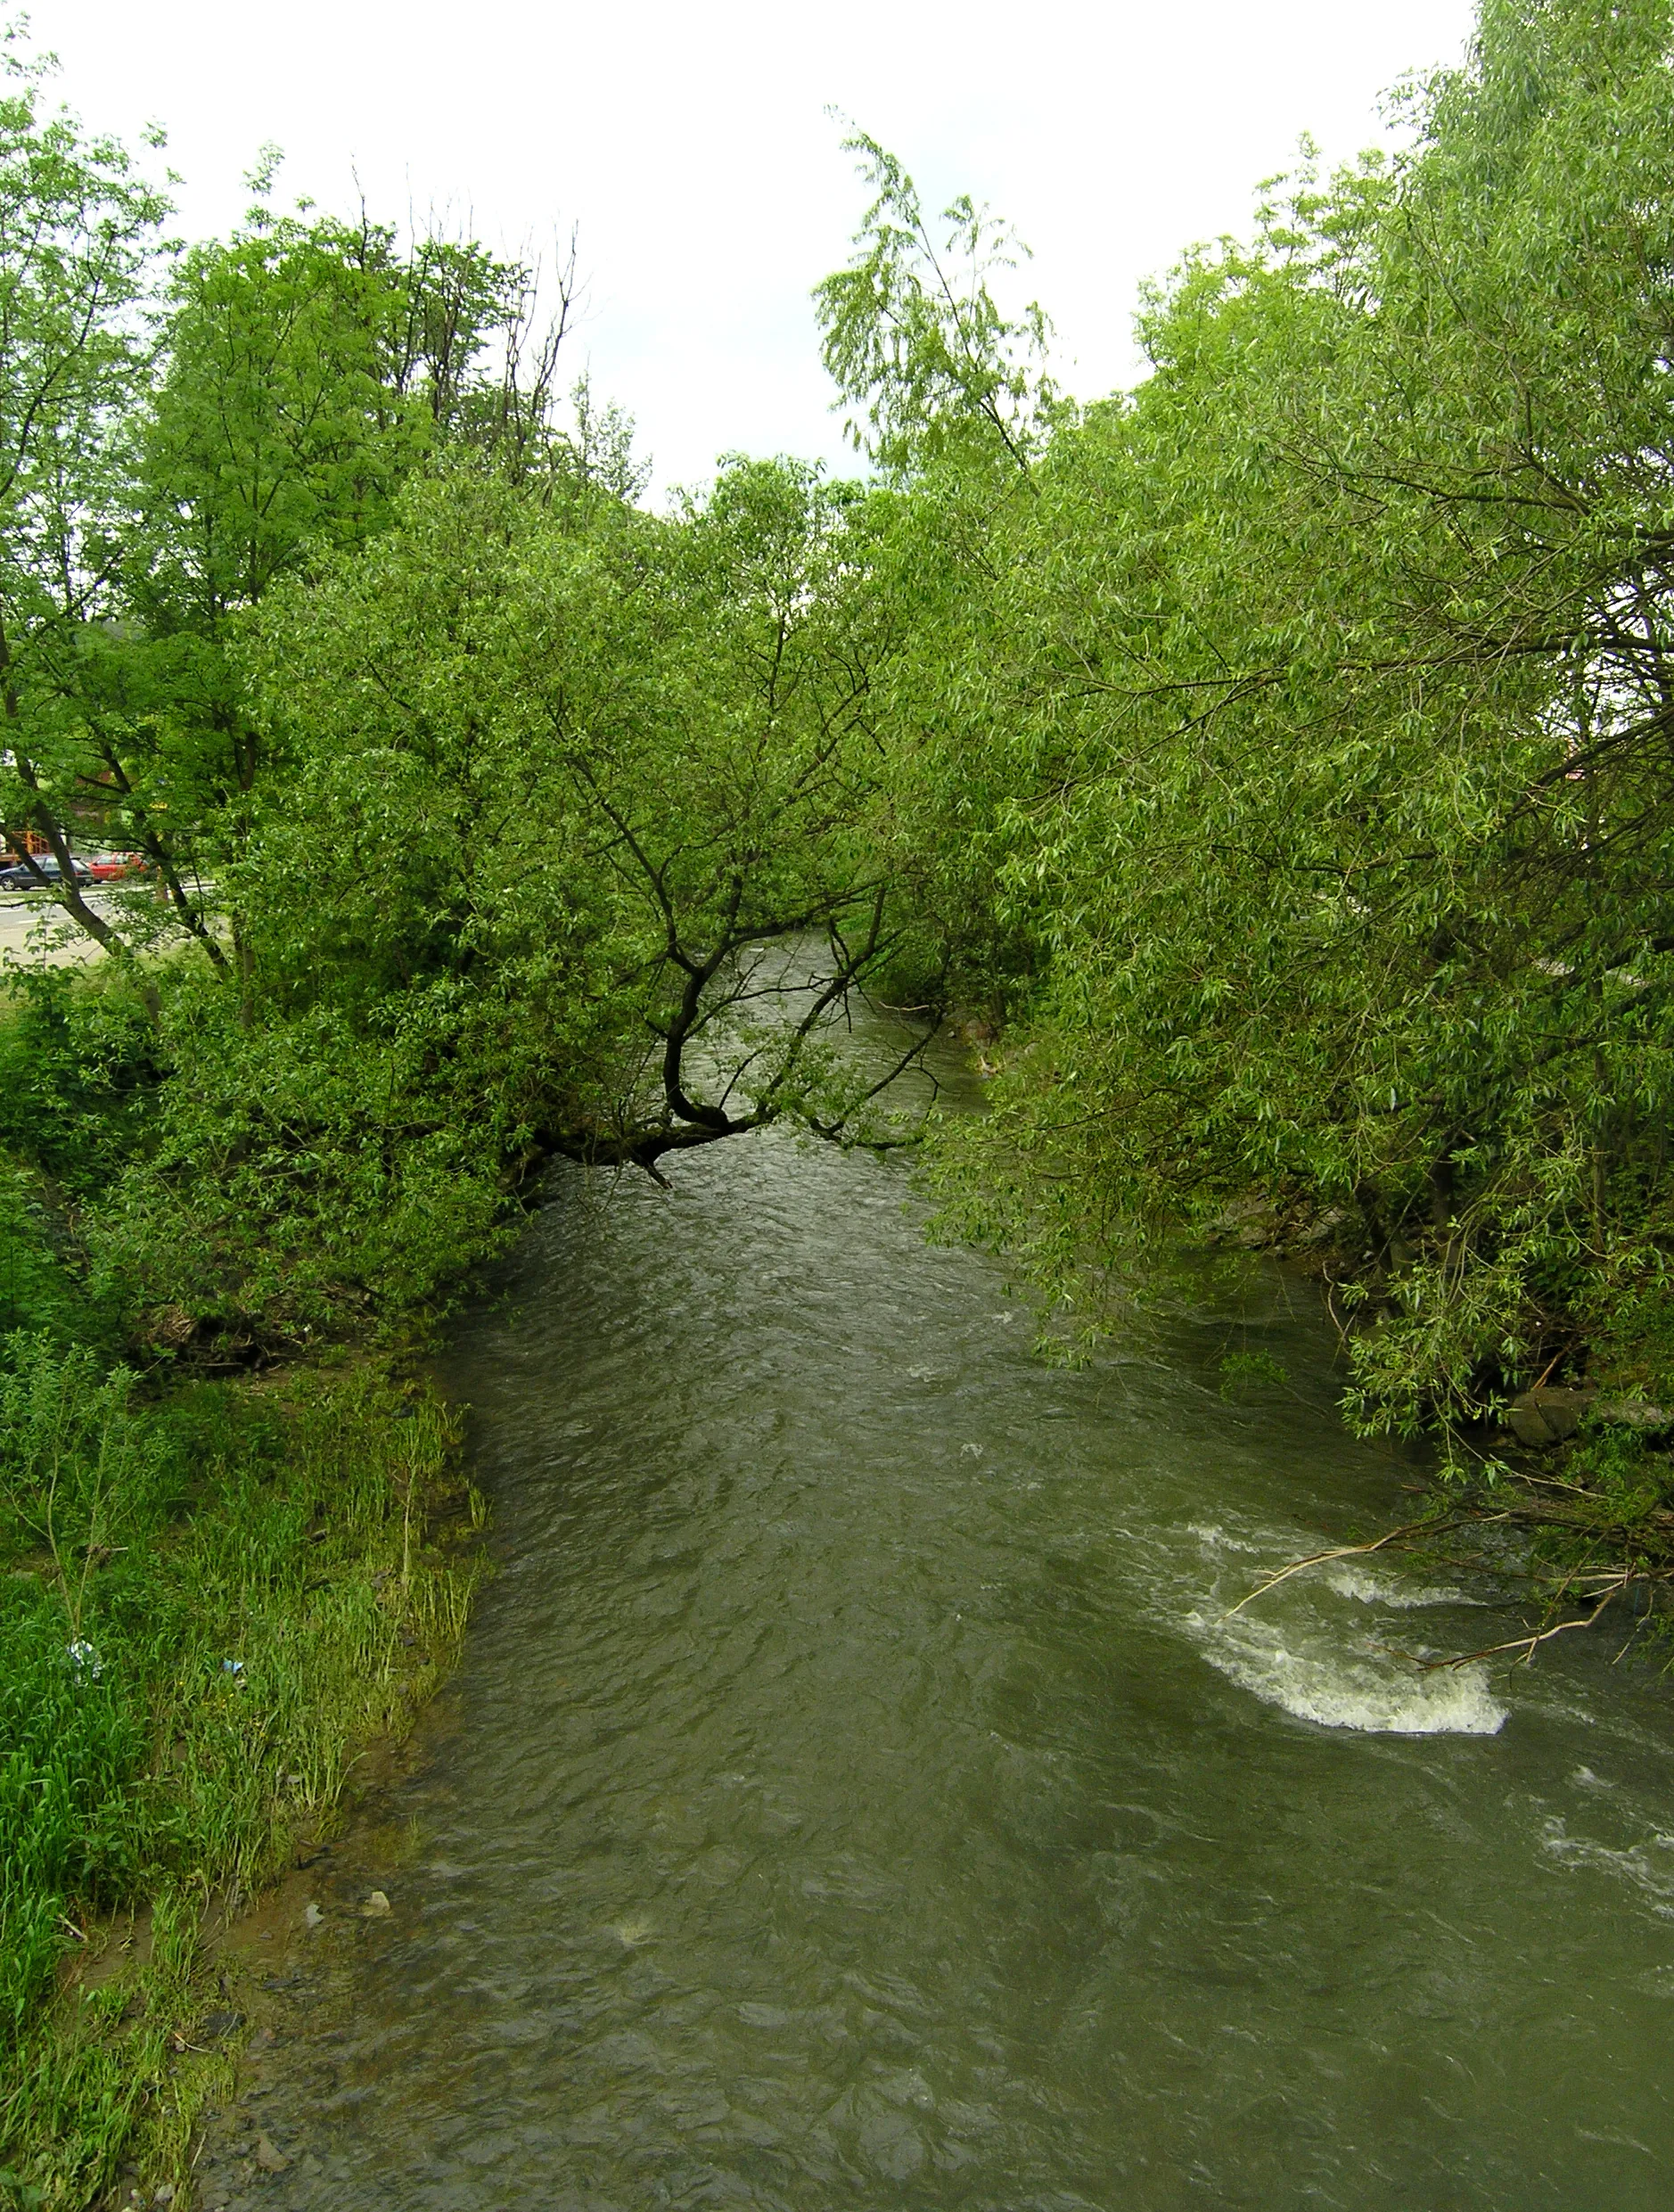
(832, 1815)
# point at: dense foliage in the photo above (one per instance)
(1277, 756)
(1309, 708)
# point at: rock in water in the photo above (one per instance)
(1547, 1415)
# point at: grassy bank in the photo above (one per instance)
(215, 1589)
(208, 1603)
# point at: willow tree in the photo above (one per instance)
(567, 840)
(1322, 687)
(927, 357)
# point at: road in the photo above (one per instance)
(26, 919)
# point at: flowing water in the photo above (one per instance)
(853, 1795)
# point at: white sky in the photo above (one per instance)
(691, 145)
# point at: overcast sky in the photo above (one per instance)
(691, 147)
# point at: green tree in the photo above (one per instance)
(914, 338)
(307, 368)
(1324, 684)
(79, 235)
(561, 806)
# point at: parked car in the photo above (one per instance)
(110, 868)
(17, 877)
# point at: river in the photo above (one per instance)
(852, 1794)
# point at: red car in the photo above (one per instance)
(110, 868)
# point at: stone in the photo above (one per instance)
(1323, 1227)
(1251, 1222)
(1547, 1415)
(268, 2157)
(1633, 1414)
(377, 1905)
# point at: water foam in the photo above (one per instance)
(1315, 1679)
(1647, 1866)
(1215, 1539)
(1359, 1582)
(1302, 1651)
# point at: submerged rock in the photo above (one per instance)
(1252, 1223)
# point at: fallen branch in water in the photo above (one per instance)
(1525, 1646)
(1637, 1541)
(1348, 1552)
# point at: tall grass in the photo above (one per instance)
(211, 1594)
(206, 1606)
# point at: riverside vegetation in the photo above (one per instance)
(1277, 757)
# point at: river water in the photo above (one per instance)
(853, 1796)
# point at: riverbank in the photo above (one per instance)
(1568, 1485)
(215, 1602)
